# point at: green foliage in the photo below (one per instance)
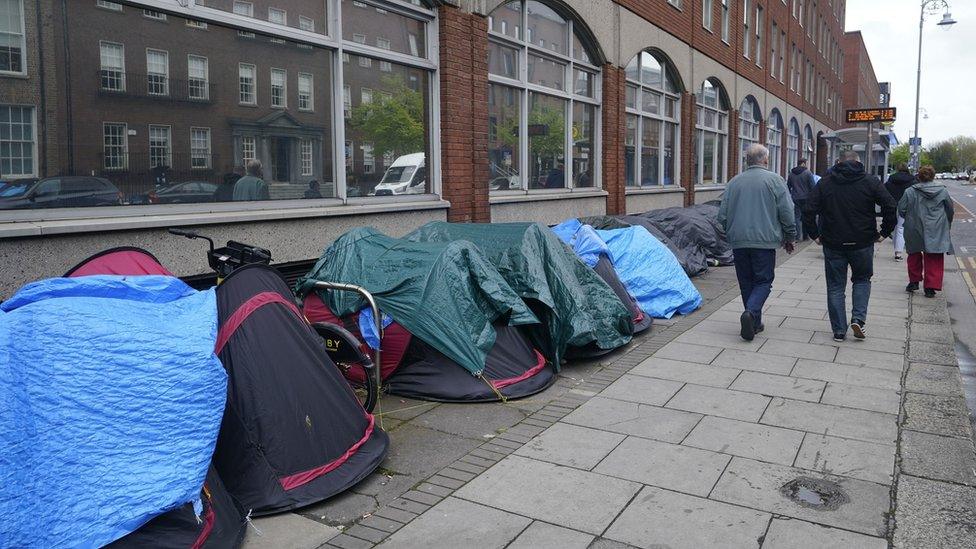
(901, 155)
(393, 123)
(954, 155)
(553, 143)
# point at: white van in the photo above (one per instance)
(407, 175)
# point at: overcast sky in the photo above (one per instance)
(890, 29)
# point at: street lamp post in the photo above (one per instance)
(928, 6)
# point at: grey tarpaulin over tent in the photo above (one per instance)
(699, 222)
(690, 255)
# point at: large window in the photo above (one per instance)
(774, 142)
(112, 66)
(157, 72)
(653, 113)
(12, 39)
(750, 116)
(544, 100)
(711, 134)
(725, 20)
(116, 145)
(17, 142)
(808, 146)
(793, 145)
(198, 83)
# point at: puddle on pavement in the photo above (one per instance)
(967, 369)
(815, 493)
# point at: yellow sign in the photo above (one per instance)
(855, 116)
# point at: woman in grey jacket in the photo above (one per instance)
(927, 209)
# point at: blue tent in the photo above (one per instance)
(584, 241)
(651, 272)
(111, 398)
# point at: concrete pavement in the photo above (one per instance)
(696, 438)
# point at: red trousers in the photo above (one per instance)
(928, 268)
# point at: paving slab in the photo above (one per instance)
(934, 314)
(826, 419)
(670, 466)
(872, 343)
(571, 445)
(798, 350)
(287, 531)
(660, 518)
(787, 334)
(687, 352)
(847, 457)
(722, 339)
(785, 533)
(560, 495)
(935, 333)
(642, 389)
(699, 374)
(458, 523)
(942, 415)
(744, 439)
(873, 359)
(865, 398)
(933, 379)
(743, 360)
(632, 418)
(797, 312)
(343, 509)
(848, 374)
(732, 317)
(719, 402)
(932, 353)
(540, 535)
(938, 457)
(783, 386)
(761, 486)
(470, 420)
(934, 514)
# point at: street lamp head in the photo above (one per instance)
(947, 21)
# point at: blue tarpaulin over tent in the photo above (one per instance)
(584, 241)
(111, 398)
(651, 272)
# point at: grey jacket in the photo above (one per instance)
(927, 209)
(250, 187)
(800, 182)
(757, 211)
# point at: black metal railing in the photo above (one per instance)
(154, 86)
(137, 173)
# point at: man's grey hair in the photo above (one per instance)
(757, 155)
(851, 156)
(253, 167)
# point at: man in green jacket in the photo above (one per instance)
(251, 186)
(758, 217)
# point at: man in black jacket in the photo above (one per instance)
(800, 182)
(848, 230)
(896, 185)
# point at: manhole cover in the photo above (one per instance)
(815, 493)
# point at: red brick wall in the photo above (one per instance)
(614, 130)
(464, 114)
(733, 144)
(687, 161)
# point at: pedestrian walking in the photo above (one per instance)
(845, 200)
(757, 214)
(800, 182)
(251, 186)
(927, 209)
(896, 185)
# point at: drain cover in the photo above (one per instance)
(815, 493)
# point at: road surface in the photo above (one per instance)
(961, 290)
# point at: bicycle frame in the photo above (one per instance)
(342, 287)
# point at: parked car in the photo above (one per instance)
(61, 192)
(13, 189)
(962, 176)
(180, 193)
(407, 175)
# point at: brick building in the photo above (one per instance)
(466, 110)
(861, 87)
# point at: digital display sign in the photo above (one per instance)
(855, 116)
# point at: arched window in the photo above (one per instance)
(793, 145)
(712, 127)
(543, 100)
(774, 142)
(653, 113)
(750, 116)
(808, 146)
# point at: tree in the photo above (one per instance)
(953, 155)
(901, 155)
(393, 122)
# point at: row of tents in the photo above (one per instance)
(137, 411)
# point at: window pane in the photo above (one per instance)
(16, 141)
(630, 150)
(579, 51)
(708, 158)
(507, 19)
(503, 138)
(310, 15)
(547, 72)
(633, 69)
(389, 130)
(11, 36)
(651, 72)
(670, 132)
(584, 159)
(547, 29)
(383, 28)
(547, 142)
(651, 101)
(502, 60)
(583, 83)
(631, 97)
(651, 152)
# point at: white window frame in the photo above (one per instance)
(792, 144)
(666, 122)
(746, 34)
(247, 8)
(279, 101)
(284, 16)
(124, 147)
(254, 84)
(306, 158)
(249, 149)
(121, 70)
(306, 23)
(306, 99)
(107, 5)
(346, 102)
(164, 75)
(748, 128)
(774, 142)
(190, 78)
(194, 150)
(720, 155)
(525, 47)
(726, 19)
(155, 15)
(169, 144)
(35, 161)
(708, 7)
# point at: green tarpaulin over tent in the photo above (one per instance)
(447, 294)
(578, 308)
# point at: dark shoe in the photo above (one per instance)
(840, 337)
(912, 287)
(857, 327)
(898, 257)
(748, 324)
(929, 292)
(760, 328)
